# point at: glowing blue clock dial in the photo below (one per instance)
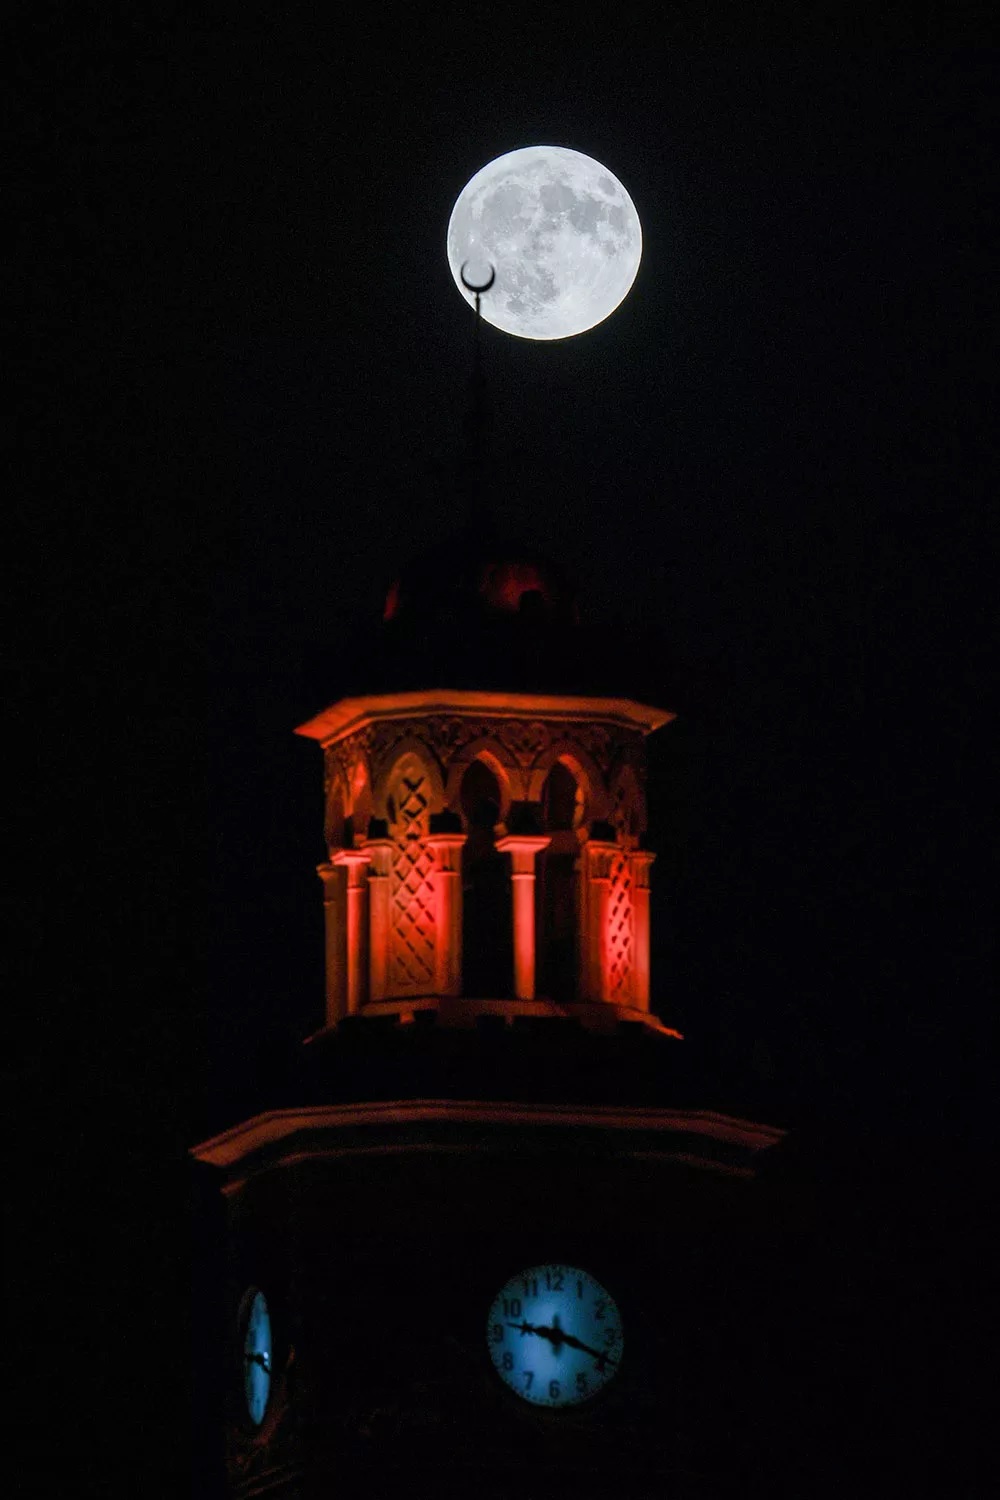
(257, 1358)
(555, 1335)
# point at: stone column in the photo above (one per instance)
(355, 861)
(447, 850)
(580, 885)
(596, 857)
(335, 930)
(522, 848)
(380, 852)
(641, 861)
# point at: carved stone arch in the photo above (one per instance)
(385, 772)
(335, 813)
(508, 773)
(627, 804)
(583, 767)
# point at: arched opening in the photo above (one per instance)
(487, 936)
(560, 799)
(556, 916)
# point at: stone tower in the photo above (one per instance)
(496, 1086)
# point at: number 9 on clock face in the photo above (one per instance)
(554, 1335)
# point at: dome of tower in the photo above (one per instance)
(477, 611)
(477, 575)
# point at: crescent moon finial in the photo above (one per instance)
(471, 286)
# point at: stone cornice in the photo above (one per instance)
(348, 715)
(702, 1137)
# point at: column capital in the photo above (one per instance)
(355, 861)
(447, 850)
(380, 853)
(598, 854)
(641, 861)
(522, 848)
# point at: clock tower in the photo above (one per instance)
(495, 1239)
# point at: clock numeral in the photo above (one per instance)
(579, 1375)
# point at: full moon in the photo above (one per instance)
(562, 234)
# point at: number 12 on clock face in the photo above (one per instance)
(554, 1335)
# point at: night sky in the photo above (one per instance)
(240, 403)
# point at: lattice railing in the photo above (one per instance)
(412, 937)
(620, 927)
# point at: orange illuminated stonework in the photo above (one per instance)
(491, 1085)
(488, 849)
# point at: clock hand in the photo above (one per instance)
(529, 1328)
(598, 1354)
(556, 1336)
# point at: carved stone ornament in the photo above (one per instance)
(446, 735)
(343, 755)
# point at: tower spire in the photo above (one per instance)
(477, 417)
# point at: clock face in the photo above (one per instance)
(555, 1335)
(257, 1358)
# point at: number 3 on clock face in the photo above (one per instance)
(554, 1335)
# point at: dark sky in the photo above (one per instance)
(241, 394)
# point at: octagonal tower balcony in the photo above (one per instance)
(486, 832)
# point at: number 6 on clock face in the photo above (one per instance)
(554, 1335)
